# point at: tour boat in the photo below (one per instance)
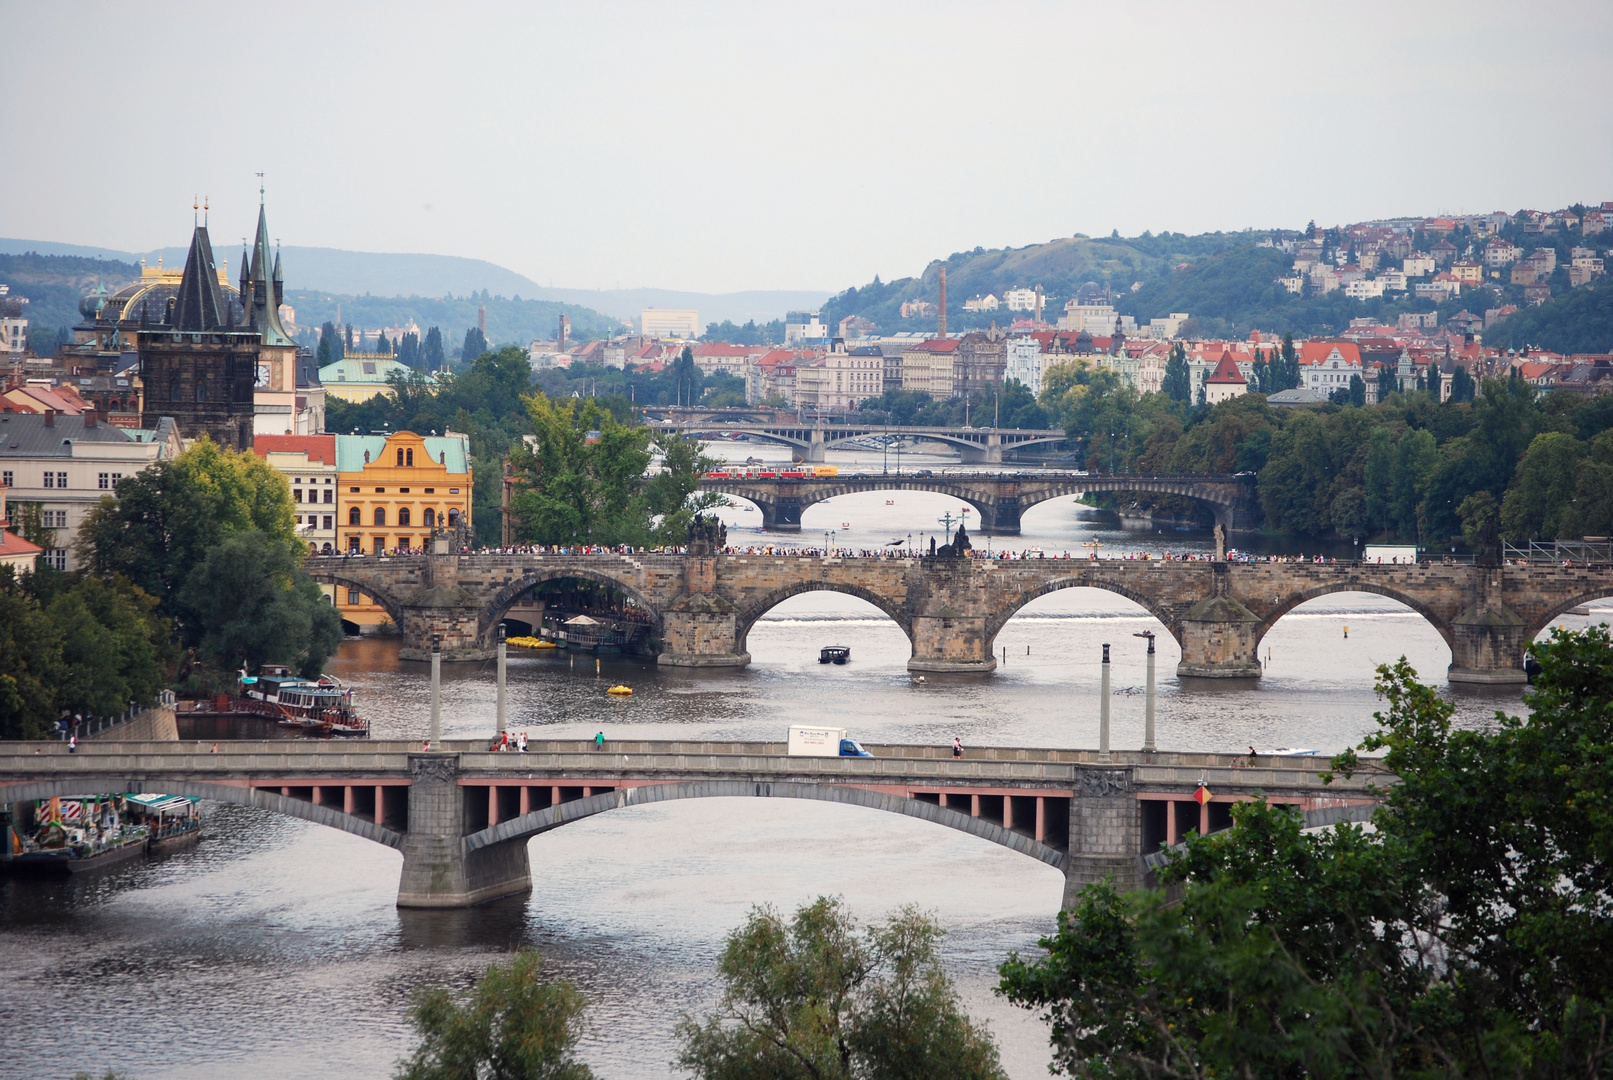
(834, 654)
(322, 706)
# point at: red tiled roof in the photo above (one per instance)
(320, 448)
(1226, 371)
(1316, 352)
(720, 348)
(938, 345)
(12, 544)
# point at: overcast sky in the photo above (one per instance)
(806, 145)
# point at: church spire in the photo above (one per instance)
(263, 304)
(198, 305)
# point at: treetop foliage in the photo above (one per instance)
(1464, 934)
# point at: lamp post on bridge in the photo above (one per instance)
(1148, 707)
(501, 653)
(1103, 710)
(436, 689)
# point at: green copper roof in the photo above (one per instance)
(350, 451)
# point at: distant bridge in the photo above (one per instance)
(1000, 498)
(462, 817)
(811, 438)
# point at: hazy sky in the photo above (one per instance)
(807, 145)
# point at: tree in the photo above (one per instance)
(382, 345)
(162, 521)
(330, 345)
(409, 350)
(1357, 392)
(686, 377)
(349, 337)
(432, 357)
(1544, 488)
(1177, 383)
(1465, 935)
(30, 663)
(251, 604)
(113, 643)
(813, 998)
(1461, 384)
(511, 1026)
(475, 345)
(581, 482)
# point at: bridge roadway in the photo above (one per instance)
(811, 438)
(1000, 498)
(702, 605)
(461, 817)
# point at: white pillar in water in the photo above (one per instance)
(436, 691)
(501, 649)
(1103, 710)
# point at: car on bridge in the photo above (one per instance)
(807, 741)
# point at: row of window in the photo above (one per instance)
(57, 481)
(313, 496)
(405, 520)
(379, 545)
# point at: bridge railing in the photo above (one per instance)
(1588, 551)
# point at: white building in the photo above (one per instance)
(1024, 361)
(1363, 289)
(67, 463)
(840, 379)
(805, 328)
(1332, 372)
(308, 462)
(1418, 265)
(1020, 299)
(982, 303)
(1165, 328)
(682, 324)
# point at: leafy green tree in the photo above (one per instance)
(1462, 385)
(1177, 383)
(1416, 456)
(163, 521)
(1358, 391)
(1544, 489)
(1463, 936)
(432, 356)
(30, 663)
(382, 345)
(686, 377)
(1477, 513)
(330, 345)
(581, 481)
(252, 604)
(348, 336)
(475, 345)
(512, 1026)
(1591, 511)
(1379, 477)
(113, 644)
(409, 350)
(813, 998)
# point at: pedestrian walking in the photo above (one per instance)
(957, 746)
(72, 744)
(599, 741)
(522, 744)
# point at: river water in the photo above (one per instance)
(274, 949)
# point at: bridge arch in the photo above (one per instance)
(1535, 629)
(541, 821)
(1293, 600)
(1019, 602)
(389, 603)
(506, 596)
(752, 612)
(237, 794)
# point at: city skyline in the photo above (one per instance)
(719, 149)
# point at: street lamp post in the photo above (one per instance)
(1148, 707)
(436, 689)
(1103, 710)
(501, 657)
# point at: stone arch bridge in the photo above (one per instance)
(999, 498)
(951, 609)
(461, 817)
(810, 438)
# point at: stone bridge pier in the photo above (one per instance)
(439, 871)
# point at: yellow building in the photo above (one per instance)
(393, 492)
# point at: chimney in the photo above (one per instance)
(50, 417)
(942, 330)
(1038, 305)
(89, 417)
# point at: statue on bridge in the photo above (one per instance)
(707, 535)
(959, 547)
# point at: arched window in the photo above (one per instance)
(380, 515)
(431, 518)
(403, 517)
(325, 549)
(400, 455)
(453, 518)
(408, 457)
(352, 516)
(201, 390)
(173, 388)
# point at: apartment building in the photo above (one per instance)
(67, 463)
(308, 462)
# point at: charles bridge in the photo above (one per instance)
(703, 606)
(999, 498)
(462, 817)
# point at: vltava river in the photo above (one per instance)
(274, 949)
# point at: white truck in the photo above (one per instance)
(808, 741)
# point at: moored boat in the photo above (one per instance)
(322, 707)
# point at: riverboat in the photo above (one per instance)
(78, 835)
(834, 654)
(320, 706)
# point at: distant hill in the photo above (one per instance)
(356, 273)
(1580, 321)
